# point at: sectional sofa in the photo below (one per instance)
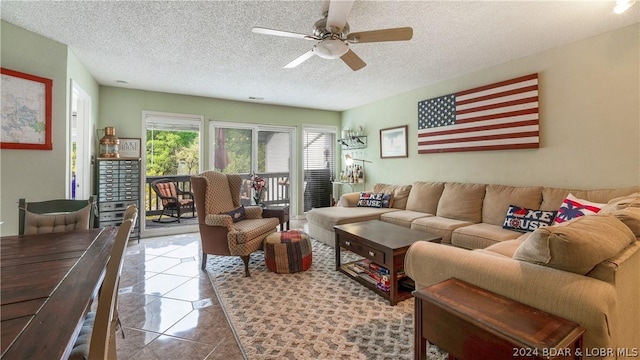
(586, 270)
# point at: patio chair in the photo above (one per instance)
(174, 199)
(56, 215)
(223, 228)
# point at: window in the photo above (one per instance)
(247, 149)
(319, 152)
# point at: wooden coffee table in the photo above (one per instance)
(383, 243)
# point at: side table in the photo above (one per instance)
(280, 212)
(472, 323)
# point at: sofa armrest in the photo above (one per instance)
(581, 299)
(349, 199)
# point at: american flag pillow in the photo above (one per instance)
(572, 207)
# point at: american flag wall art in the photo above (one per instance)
(499, 116)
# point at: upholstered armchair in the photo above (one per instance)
(227, 228)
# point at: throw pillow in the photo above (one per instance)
(373, 200)
(238, 214)
(573, 207)
(387, 200)
(578, 245)
(523, 219)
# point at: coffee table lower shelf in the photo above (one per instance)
(401, 294)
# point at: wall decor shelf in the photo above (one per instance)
(353, 142)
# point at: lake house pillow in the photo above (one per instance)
(373, 200)
(524, 220)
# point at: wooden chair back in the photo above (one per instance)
(102, 345)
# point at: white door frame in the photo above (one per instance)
(83, 145)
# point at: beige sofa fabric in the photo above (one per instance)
(424, 196)
(498, 198)
(403, 217)
(578, 245)
(462, 202)
(440, 226)
(594, 304)
(478, 236)
(632, 200)
(330, 216)
(400, 193)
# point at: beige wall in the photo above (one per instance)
(589, 122)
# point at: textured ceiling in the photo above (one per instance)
(206, 48)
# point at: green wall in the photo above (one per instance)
(39, 174)
(122, 108)
(589, 122)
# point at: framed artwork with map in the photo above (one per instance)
(25, 121)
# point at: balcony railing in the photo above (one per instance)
(276, 193)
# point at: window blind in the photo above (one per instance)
(319, 161)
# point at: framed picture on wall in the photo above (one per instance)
(129, 148)
(393, 142)
(26, 111)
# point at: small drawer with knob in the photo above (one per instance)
(363, 250)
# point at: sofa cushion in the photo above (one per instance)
(440, 226)
(478, 236)
(424, 196)
(622, 202)
(573, 207)
(498, 198)
(578, 245)
(403, 217)
(462, 202)
(523, 219)
(630, 217)
(400, 193)
(506, 248)
(327, 217)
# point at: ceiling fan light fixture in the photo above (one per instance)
(331, 49)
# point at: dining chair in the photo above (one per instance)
(97, 338)
(49, 216)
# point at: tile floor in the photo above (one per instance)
(167, 305)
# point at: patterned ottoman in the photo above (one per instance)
(288, 252)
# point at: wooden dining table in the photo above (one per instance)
(47, 283)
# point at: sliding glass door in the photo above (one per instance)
(254, 149)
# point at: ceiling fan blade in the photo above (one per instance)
(265, 31)
(338, 13)
(299, 60)
(355, 63)
(395, 34)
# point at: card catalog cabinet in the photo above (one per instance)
(118, 184)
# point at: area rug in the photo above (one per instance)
(316, 314)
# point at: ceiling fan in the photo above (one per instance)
(334, 38)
